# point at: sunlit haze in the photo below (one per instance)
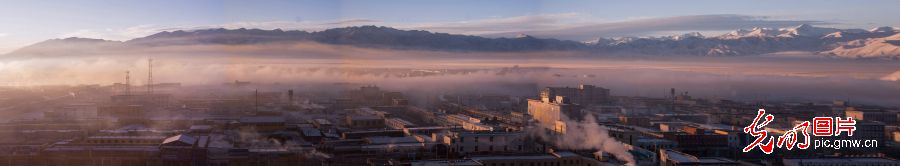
(440, 83)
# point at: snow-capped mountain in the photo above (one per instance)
(886, 47)
(806, 30)
(878, 42)
(753, 42)
(803, 30)
(755, 32)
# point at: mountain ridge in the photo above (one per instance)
(740, 42)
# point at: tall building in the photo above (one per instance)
(582, 95)
(558, 101)
(548, 113)
(871, 114)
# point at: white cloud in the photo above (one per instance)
(503, 25)
(4, 34)
(115, 34)
(649, 26)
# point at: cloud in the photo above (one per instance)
(352, 22)
(117, 34)
(4, 34)
(661, 24)
(502, 25)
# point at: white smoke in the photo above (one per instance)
(588, 134)
(316, 154)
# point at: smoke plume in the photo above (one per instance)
(587, 134)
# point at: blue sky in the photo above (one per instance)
(27, 22)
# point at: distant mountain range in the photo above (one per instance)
(882, 42)
(849, 43)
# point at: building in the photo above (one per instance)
(484, 142)
(871, 114)
(548, 113)
(555, 158)
(841, 162)
(124, 140)
(654, 144)
(322, 123)
(468, 123)
(372, 133)
(262, 123)
(364, 122)
(152, 100)
(311, 134)
(669, 157)
(103, 150)
(184, 150)
(582, 95)
(398, 123)
(462, 162)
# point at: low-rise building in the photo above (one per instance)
(484, 142)
(263, 123)
(841, 161)
(669, 157)
(364, 121)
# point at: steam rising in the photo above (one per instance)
(588, 134)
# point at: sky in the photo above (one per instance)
(26, 22)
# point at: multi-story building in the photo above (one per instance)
(872, 114)
(669, 157)
(484, 142)
(468, 123)
(582, 95)
(549, 113)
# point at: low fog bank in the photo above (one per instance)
(741, 78)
